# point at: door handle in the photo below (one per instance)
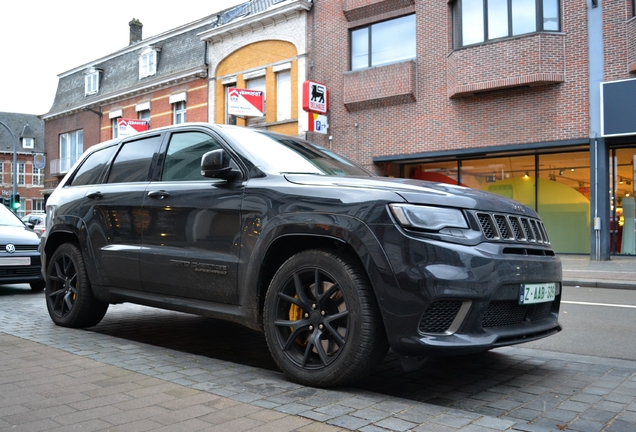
(94, 195)
(161, 194)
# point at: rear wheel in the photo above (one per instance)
(321, 320)
(69, 297)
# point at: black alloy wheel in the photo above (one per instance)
(69, 297)
(321, 321)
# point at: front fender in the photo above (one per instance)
(314, 229)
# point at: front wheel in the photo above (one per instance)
(69, 297)
(321, 320)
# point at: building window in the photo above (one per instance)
(38, 177)
(91, 81)
(37, 205)
(383, 43)
(283, 95)
(71, 148)
(148, 62)
(477, 21)
(21, 174)
(28, 143)
(229, 118)
(257, 83)
(143, 111)
(179, 112)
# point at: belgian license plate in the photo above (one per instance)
(537, 293)
(15, 261)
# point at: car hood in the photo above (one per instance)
(17, 235)
(421, 192)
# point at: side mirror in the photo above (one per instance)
(217, 164)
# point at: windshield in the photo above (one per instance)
(286, 155)
(8, 218)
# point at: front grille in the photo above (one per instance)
(506, 227)
(439, 316)
(20, 248)
(510, 312)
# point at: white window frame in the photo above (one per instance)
(21, 174)
(37, 176)
(179, 110)
(283, 92)
(28, 143)
(148, 62)
(91, 81)
(37, 205)
(71, 148)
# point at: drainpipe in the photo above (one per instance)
(599, 232)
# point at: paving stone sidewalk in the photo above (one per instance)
(52, 378)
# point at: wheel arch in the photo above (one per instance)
(347, 235)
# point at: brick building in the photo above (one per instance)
(28, 132)
(160, 80)
(506, 99)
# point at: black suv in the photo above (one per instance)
(333, 263)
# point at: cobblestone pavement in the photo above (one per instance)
(236, 385)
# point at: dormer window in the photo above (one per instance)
(148, 62)
(91, 81)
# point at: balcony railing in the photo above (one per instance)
(62, 166)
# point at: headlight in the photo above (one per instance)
(428, 218)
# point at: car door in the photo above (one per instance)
(192, 240)
(114, 212)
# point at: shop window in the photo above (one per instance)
(622, 221)
(383, 43)
(477, 21)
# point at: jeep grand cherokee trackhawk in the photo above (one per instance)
(333, 263)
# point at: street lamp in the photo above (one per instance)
(26, 133)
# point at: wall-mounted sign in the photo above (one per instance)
(39, 160)
(318, 123)
(315, 97)
(618, 108)
(245, 102)
(127, 127)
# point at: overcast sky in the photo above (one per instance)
(40, 39)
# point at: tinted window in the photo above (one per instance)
(92, 167)
(132, 163)
(183, 158)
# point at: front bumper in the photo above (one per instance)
(22, 273)
(458, 299)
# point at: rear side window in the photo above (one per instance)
(133, 162)
(93, 167)
(183, 158)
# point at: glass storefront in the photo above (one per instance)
(557, 185)
(622, 213)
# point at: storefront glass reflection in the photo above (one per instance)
(556, 185)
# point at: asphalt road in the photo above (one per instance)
(597, 322)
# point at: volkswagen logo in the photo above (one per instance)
(10, 248)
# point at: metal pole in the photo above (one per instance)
(15, 159)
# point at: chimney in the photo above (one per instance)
(135, 31)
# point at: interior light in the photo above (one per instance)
(527, 175)
(571, 169)
(561, 172)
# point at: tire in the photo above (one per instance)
(37, 286)
(331, 337)
(69, 297)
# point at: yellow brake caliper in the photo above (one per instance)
(295, 314)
